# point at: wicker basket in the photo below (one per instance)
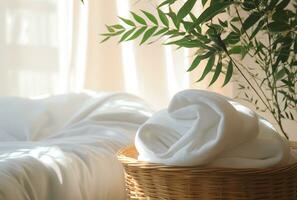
(155, 181)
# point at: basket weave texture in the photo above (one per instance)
(156, 181)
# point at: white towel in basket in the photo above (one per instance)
(205, 128)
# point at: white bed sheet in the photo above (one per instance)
(63, 147)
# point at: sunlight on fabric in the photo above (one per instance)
(248, 112)
(51, 157)
(128, 106)
(130, 73)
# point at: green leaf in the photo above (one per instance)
(284, 54)
(251, 20)
(163, 18)
(275, 65)
(113, 33)
(174, 19)
(295, 46)
(208, 67)
(207, 55)
(105, 39)
(288, 83)
(248, 5)
(277, 26)
(187, 25)
(186, 9)
(118, 26)
(244, 51)
(110, 29)
(287, 95)
(223, 23)
(280, 15)
(137, 33)
(280, 74)
(151, 17)
(175, 34)
(235, 19)
(148, 34)
(271, 5)
(193, 17)
(204, 2)
(235, 50)
(185, 42)
(169, 2)
(210, 12)
(217, 73)
(126, 35)
(232, 38)
(194, 64)
(235, 28)
(282, 4)
(172, 32)
(161, 31)
(229, 73)
(259, 48)
(257, 29)
(219, 42)
(139, 19)
(127, 21)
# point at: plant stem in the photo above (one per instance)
(247, 80)
(274, 88)
(263, 93)
(241, 22)
(255, 90)
(277, 117)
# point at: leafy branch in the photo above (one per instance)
(262, 31)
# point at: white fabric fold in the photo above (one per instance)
(205, 128)
(64, 147)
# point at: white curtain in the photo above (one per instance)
(29, 47)
(154, 72)
(52, 47)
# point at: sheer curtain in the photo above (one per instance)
(154, 72)
(52, 47)
(37, 47)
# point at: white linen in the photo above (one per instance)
(63, 148)
(205, 128)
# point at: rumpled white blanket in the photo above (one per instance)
(63, 147)
(205, 128)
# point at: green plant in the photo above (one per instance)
(225, 34)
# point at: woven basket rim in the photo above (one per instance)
(124, 158)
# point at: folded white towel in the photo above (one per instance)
(205, 128)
